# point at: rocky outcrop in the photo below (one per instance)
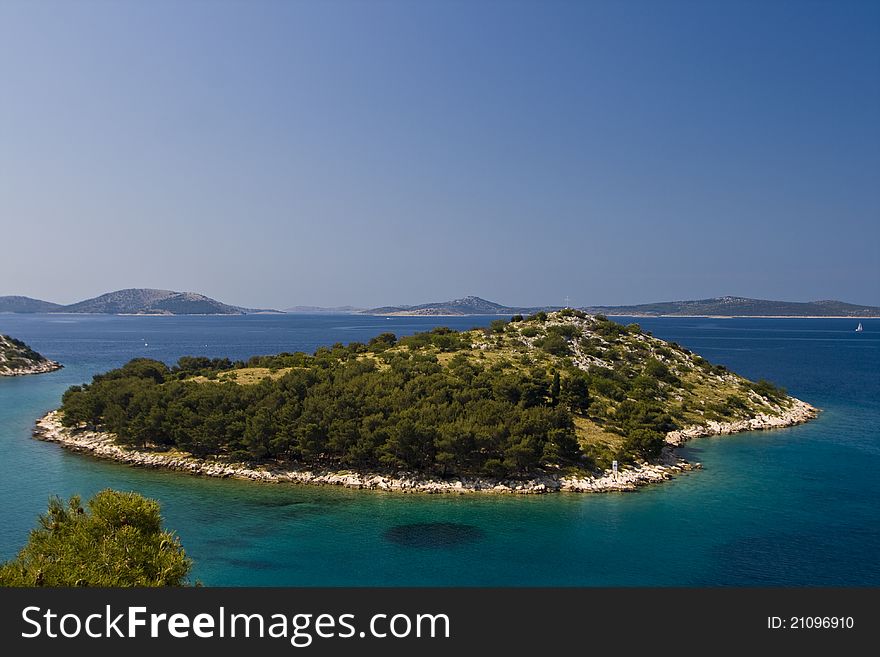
(17, 359)
(797, 412)
(41, 367)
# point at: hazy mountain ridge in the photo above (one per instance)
(470, 305)
(151, 301)
(727, 306)
(18, 304)
(337, 310)
(135, 301)
(168, 302)
(731, 306)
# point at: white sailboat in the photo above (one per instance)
(859, 328)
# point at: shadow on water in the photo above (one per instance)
(251, 564)
(292, 508)
(277, 503)
(434, 534)
(226, 542)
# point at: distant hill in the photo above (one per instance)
(133, 301)
(742, 307)
(466, 306)
(728, 306)
(149, 301)
(335, 310)
(17, 358)
(26, 305)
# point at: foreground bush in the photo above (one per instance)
(118, 541)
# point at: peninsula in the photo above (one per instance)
(535, 404)
(17, 358)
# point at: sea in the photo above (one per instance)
(791, 507)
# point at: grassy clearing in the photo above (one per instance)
(244, 376)
(599, 445)
(703, 393)
(380, 365)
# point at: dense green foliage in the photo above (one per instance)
(18, 348)
(767, 389)
(118, 541)
(403, 410)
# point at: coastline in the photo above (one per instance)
(630, 477)
(43, 367)
(798, 412)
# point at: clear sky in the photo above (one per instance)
(284, 153)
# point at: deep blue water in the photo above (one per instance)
(798, 506)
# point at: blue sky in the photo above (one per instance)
(283, 153)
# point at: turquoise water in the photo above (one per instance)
(798, 506)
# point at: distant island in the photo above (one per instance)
(464, 306)
(741, 307)
(717, 307)
(543, 403)
(316, 310)
(17, 358)
(147, 301)
(132, 301)
(14, 304)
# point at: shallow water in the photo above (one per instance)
(798, 506)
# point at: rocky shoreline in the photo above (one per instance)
(628, 478)
(41, 367)
(18, 359)
(798, 412)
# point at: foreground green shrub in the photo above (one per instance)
(118, 541)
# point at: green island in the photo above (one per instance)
(17, 358)
(535, 404)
